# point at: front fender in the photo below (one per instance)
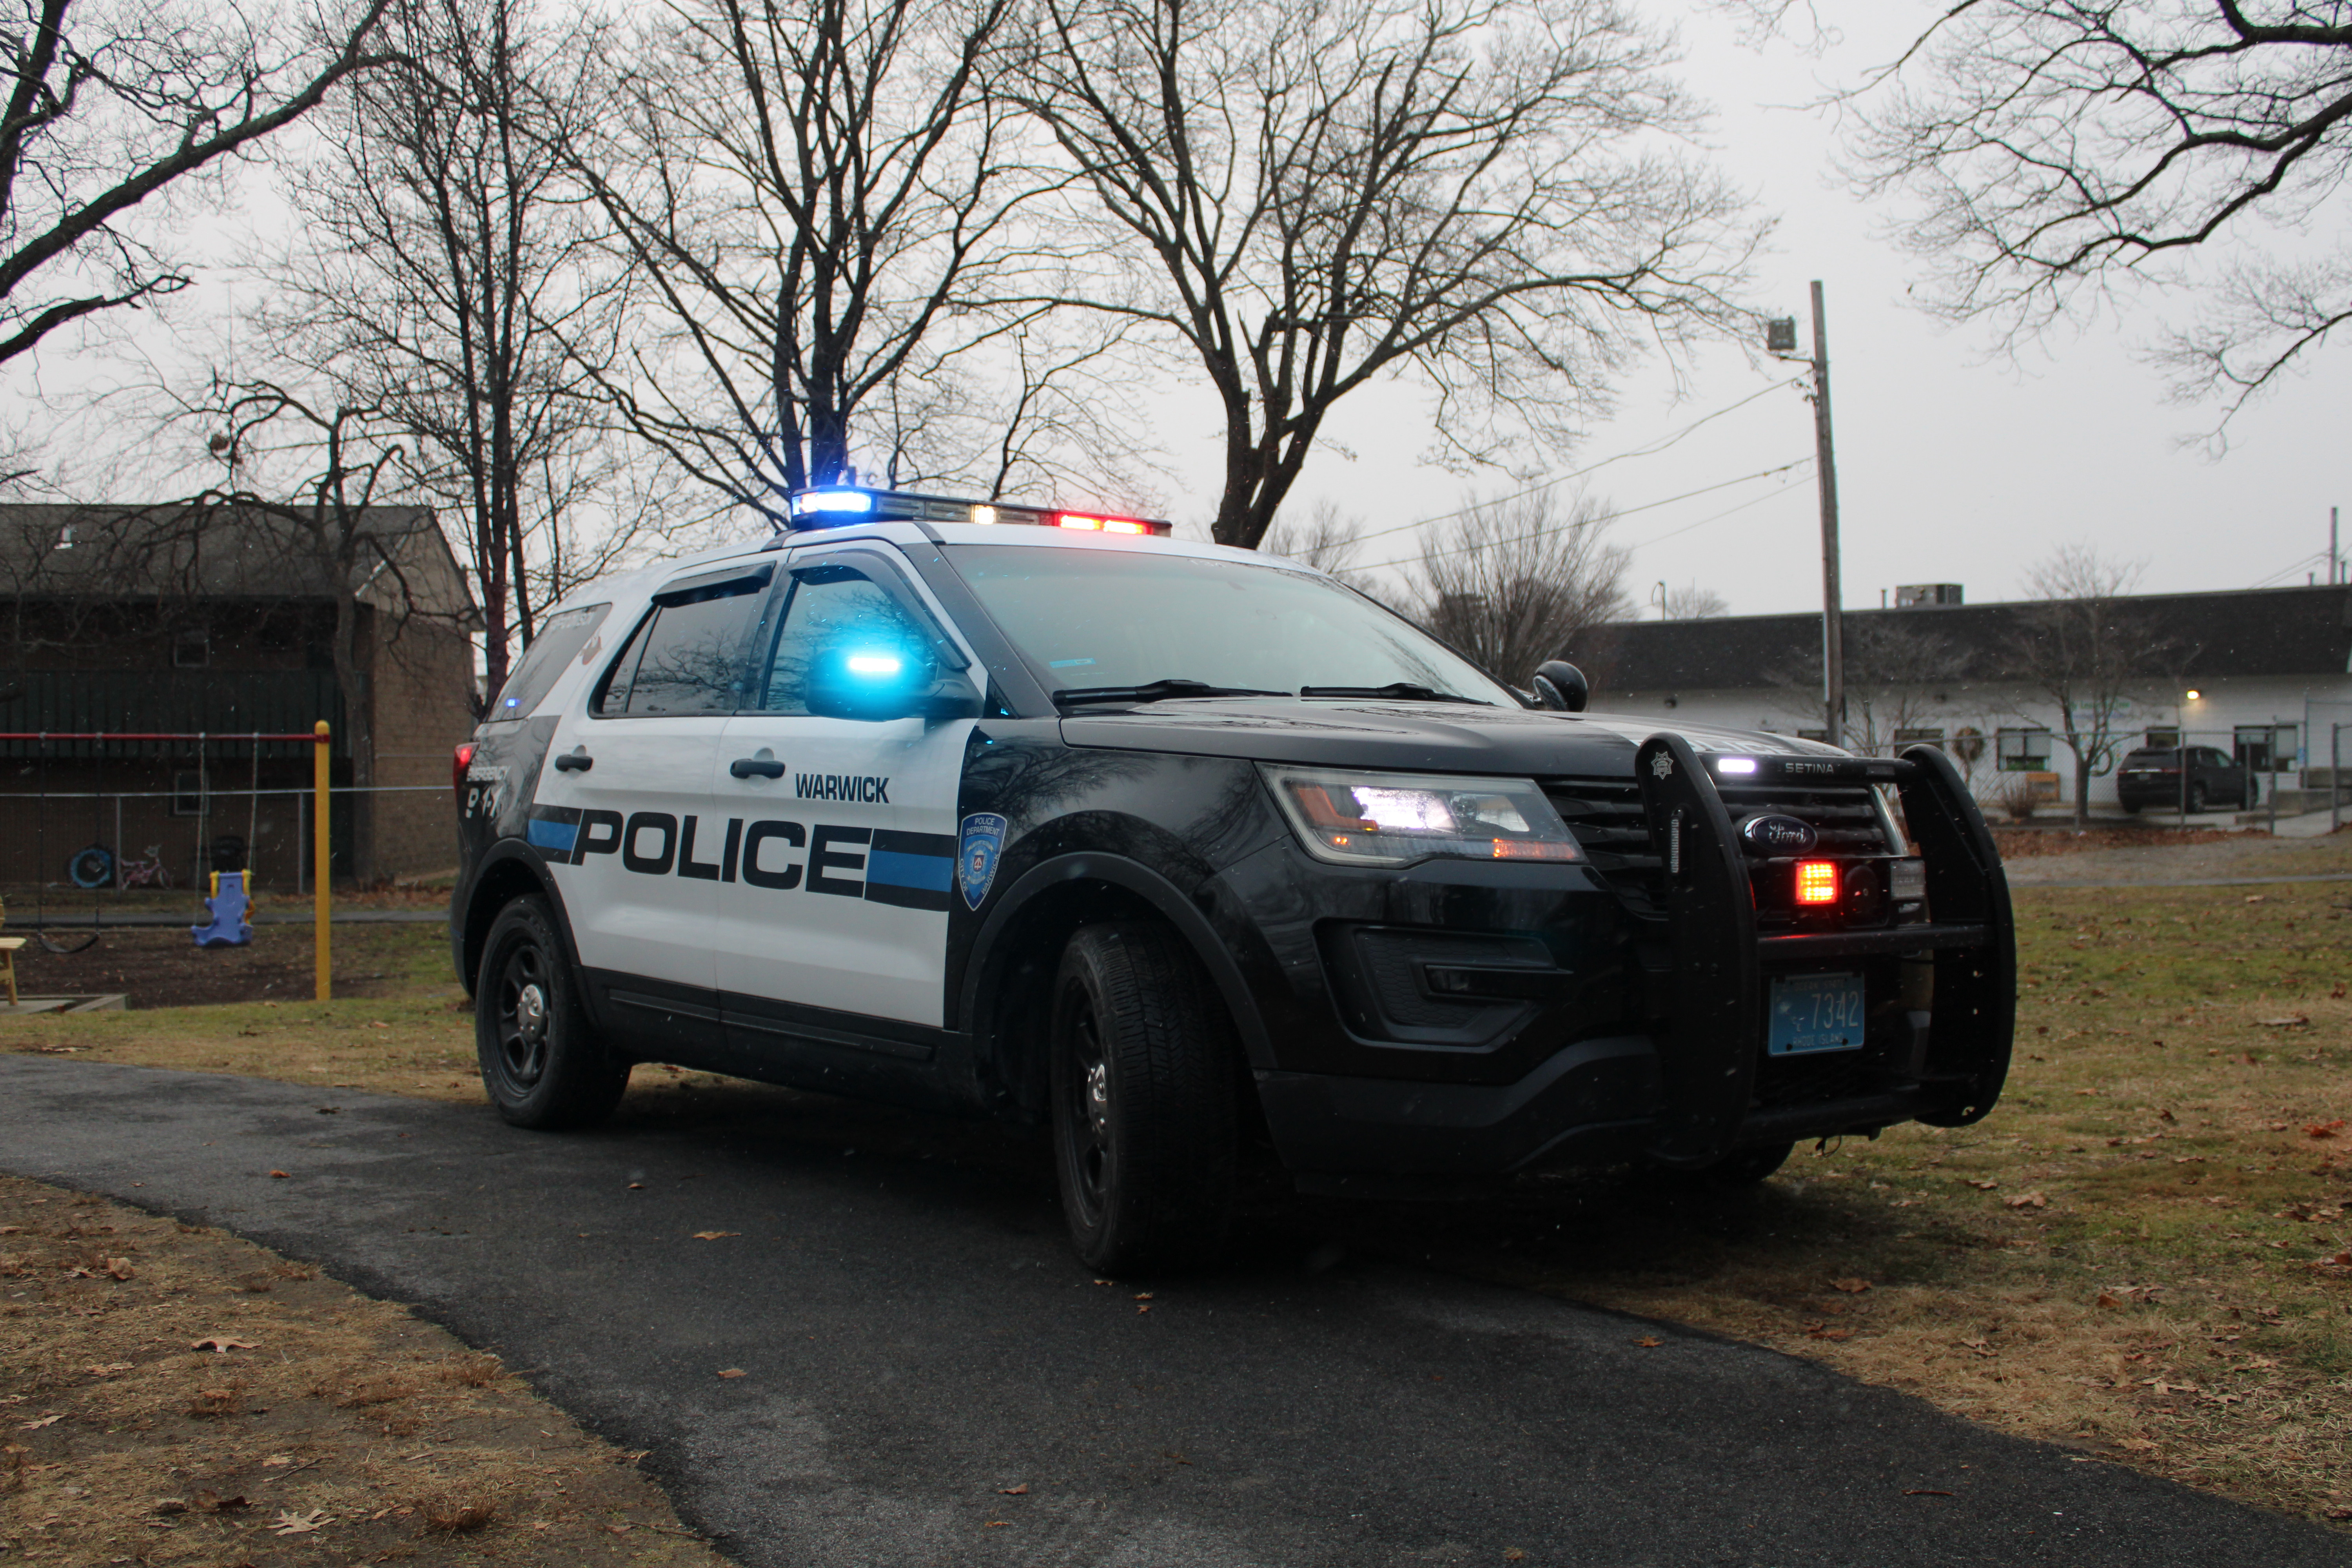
(989, 962)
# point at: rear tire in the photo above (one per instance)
(1143, 1099)
(2131, 807)
(542, 1067)
(2254, 796)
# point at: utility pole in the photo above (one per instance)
(2335, 569)
(1825, 474)
(1781, 341)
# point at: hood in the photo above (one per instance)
(1431, 737)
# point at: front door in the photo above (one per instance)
(845, 856)
(623, 813)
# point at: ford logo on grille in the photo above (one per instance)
(1777, 835)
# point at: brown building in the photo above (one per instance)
(225, 621)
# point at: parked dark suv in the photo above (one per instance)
(1161, 844)
(2151, 776)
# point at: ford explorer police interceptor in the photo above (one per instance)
(1054, 817)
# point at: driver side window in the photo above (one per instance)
(837, 613)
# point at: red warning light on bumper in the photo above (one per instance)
(1817, 882)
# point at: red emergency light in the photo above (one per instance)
(1817, 882)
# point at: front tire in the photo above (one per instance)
(1143, 1099)
(542, 1067)
(2196, 800)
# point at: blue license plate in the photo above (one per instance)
(1815, 1012)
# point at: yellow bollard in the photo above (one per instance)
(319, 895)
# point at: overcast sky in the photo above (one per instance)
(1954, 465)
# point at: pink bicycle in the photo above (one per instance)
(147, 873)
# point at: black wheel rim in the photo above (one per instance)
(523, 1015)
(1085, 1110)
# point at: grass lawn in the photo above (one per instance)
(2142, 1252)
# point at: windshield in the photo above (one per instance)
(1086, 618)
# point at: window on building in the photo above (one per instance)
(2024, 750)
(192, 650)
(187, 792)
(2162, 737)
(2266, 748)
(1812, 734)
(1920, 737)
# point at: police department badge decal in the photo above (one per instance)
(976, 855)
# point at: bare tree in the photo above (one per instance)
(339, 464)
(820, 195)
(1326, 192)
(1691, 602)
(447, 275)
(2084, 649)
(112, 104)
(1327, 540)
(1514, 582)
(2058, 149)
(1899, 678)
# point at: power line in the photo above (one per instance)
(1652, 450)
(1586, 522)
(1743, 506)
(2291, 567)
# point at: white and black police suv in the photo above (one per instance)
(1052, 817)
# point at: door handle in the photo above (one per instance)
(576, 759)
(760, 767)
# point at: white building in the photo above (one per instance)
(2263, 675)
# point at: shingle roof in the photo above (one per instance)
(2303, 631)
(168, 550)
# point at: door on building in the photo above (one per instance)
(624, 809)
(846, 853)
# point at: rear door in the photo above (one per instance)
(846, 846)
(623, 810)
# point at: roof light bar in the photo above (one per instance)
(831, 501)
(830, 506)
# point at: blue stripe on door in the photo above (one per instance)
(930, 872)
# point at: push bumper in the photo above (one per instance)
(1691, 1082)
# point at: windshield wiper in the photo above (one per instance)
(1398, 691)
(1157, 691)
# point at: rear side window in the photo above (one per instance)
(560, 638)
(692, 654)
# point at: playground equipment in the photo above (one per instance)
(96, 865)
(228, 906)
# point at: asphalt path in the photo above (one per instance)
(915, 1339)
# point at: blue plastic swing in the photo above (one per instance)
(228, 907)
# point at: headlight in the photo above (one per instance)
(1395, 819)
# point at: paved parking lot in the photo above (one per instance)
(917, 1345)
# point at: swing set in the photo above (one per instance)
(96, 867)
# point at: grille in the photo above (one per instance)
(1846, 816)
(1605, 814)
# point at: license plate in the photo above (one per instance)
(1815, 1012)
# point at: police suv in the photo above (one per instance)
(1172, 847)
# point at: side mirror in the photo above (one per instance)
(1561, 686)
(853, 681)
